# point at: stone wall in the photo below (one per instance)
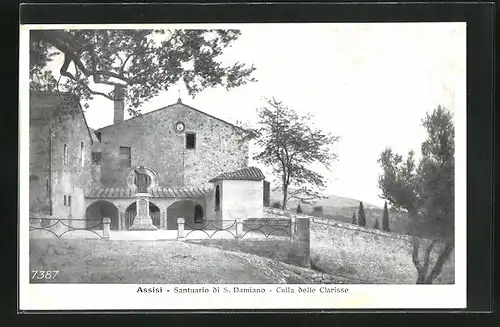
(367, 254)
(56, 120)
(155, 143)
(39, 169)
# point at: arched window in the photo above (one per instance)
(198, 214)
(217, 198)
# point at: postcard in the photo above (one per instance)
(242, 166)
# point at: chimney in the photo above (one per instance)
(119, 102)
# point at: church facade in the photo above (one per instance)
(190, 158)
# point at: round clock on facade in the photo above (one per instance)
(179, 127)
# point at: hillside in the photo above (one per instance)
(341, 209)
(331, 201)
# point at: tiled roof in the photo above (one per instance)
(94, 136)
(157, 192)
(245, 174)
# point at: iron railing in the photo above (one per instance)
(62, 226)
(249, 227)
(214, 226)
(268, 227)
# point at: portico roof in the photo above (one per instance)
(245, 174)
(157, 192)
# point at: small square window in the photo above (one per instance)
(96, 158)
(190, 140)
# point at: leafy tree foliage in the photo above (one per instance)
(361, 215)
(425, 191)
(290, 145)
(385, 218)
(145, 61)
(354, 220)
(299, 209)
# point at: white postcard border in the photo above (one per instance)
(126, 297)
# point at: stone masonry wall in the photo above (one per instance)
(68, 126)
(71, 179)
(155, 144)
(39, 168)
(367, 254)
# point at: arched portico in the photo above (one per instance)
(192, 211)
(100, 209)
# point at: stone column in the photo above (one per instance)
(105, 228)
(121, 220)
(301, 242)
(142, 220)
(239, 228)
(180, 228)
(165, 220)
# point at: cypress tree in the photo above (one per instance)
(299, 209)
(385, 218)
(354, 220)
(361, 215)
(375, 225)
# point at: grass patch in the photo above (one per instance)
(277, 249)
(159, 262)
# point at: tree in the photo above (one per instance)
(361, 215)
(145, 61)
(290, 145)
(426, 192)
(354, 220)
(375, 225)
(385, 218)
(299, 209)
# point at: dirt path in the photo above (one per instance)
(165, 262)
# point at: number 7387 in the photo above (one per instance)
(44, 274)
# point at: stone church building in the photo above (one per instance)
(197, 165)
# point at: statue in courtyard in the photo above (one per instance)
(142, 180)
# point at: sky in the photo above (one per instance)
(370, 84)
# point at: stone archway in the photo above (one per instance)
(151, 173)
(187, 209)
(101, 209)
(131, 211)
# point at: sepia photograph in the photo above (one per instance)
(244, 155)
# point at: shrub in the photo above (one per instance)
(299, 209)
(318, 209)
(354, 220)
(276, 205)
